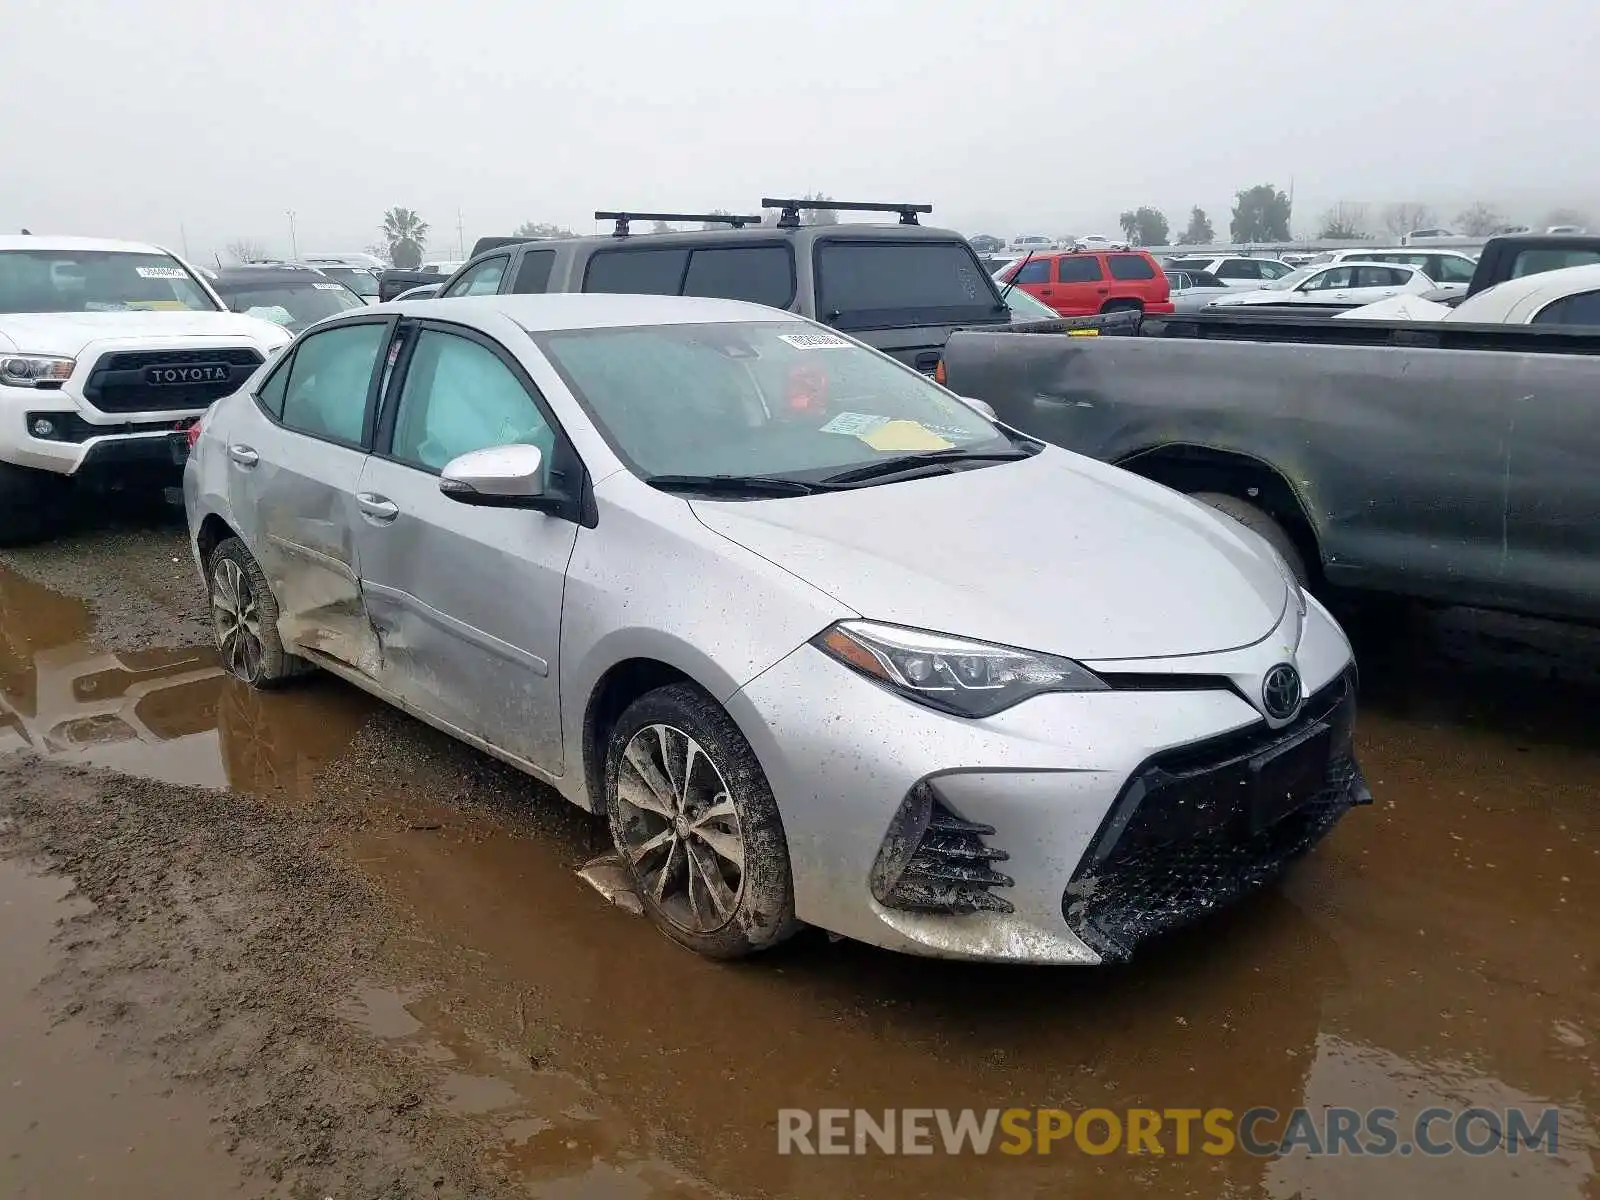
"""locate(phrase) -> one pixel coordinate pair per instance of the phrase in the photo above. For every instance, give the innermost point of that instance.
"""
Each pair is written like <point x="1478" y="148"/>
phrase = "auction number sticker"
<point x="815" y="341"/>
<point x="160" y="272"/>
<point x="328" y="287"/>
<point x="854" y="424"/>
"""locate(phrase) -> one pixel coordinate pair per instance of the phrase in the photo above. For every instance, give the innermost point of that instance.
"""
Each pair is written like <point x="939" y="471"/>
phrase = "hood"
<point x="66" y="334"/>
<point x="1057" y="553"/>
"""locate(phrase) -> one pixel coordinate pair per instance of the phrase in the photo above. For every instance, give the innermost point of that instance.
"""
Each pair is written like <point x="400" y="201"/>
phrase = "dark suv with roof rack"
<point x="901" y="288"/>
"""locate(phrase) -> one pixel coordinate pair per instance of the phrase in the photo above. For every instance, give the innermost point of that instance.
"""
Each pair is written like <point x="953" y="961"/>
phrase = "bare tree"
<point x="243" y="250"/>
<point x="661" y="227"/>
<point x="820" y="216"/>
<point x="1479" y="219"/>
<point x="1346" y="221"/>
<point x="1400" y="219"/>
<point x="1567" y="216"/>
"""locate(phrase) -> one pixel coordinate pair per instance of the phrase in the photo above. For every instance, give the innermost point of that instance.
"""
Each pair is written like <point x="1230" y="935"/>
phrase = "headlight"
<point x="34" y="370"/>
<point x="969" y="679"/>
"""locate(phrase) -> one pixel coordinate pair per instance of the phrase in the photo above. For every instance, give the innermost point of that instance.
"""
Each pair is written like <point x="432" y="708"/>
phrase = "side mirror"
<point x="499" y="477"/>
<point x="981" y="407"/>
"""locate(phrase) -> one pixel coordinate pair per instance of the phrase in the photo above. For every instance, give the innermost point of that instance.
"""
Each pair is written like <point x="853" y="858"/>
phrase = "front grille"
<point x="1185" y="836"/>
<point x="934" y="861"/>
<point x="119" y="380"/>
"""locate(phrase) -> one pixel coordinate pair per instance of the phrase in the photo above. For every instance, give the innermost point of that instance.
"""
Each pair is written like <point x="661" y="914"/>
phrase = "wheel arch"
<point x="1189" y="468"/>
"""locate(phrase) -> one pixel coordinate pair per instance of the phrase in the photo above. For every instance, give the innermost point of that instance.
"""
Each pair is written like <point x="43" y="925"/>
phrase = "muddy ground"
<point x="300" y="945"/>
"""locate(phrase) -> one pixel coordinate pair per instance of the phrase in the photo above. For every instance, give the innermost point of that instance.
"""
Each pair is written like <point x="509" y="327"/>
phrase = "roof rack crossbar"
<point x="623" y="218"/>
<point x="789" y="217"/>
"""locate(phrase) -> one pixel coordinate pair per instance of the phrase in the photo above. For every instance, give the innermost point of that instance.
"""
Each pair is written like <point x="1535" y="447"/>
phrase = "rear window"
<point x="1131" y="266"/>
<point x="1080" y="268"/>
<point x="1536" y="262"/>
<point x="1581" y="309"/>
<point x="759" y="274"/>
<point x="864" y="285"/>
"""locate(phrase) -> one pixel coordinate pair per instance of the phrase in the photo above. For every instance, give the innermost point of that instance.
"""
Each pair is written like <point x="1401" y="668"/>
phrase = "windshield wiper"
<point x="735" y="485"/>
<point x="934" y="462"/>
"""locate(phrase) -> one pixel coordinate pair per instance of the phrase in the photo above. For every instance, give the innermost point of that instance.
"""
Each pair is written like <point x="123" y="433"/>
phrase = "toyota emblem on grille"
<point x="1280" y="692"/>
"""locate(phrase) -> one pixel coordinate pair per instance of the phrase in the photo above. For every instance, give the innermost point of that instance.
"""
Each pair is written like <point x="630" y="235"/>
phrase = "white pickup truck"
<point x="106" y="348"/>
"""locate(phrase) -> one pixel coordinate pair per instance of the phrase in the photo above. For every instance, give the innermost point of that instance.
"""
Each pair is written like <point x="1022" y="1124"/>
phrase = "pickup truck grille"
<point x="168" y="380"/>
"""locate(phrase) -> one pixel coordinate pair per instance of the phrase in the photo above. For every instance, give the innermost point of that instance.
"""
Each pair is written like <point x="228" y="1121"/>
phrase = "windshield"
<point x="294" y="306"/>
<point x="358" y="279"/>
<point x="884" y="284"/>
<point x="56" y="281"/>
<point x="756" y="398"/>
<point x="1025" y="306"/>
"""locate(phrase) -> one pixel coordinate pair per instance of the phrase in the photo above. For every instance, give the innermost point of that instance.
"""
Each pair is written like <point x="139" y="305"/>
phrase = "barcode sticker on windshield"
<point x="328" y="287"/>
<point x="159" y="272"/>
<point x="854" y="424"/>
<point x="814" y="341"/>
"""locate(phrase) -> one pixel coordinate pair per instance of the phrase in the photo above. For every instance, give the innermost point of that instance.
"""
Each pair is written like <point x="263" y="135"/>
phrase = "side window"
<point x="326" y="395"/>
<point x="270" y="397"/>
<point x="1451" y="269"/>
<point x="760" y="274"/>
<point x="1037" y="271"/>
<point x="1273" y="270"/>
<point x="1179" y="281"/>
<point x="637" y="272"/>
<point x="1582" y="309"/>
<point x="1381" y="277"/>
<point x="1131" y="266"/>
<point x="1330" y="280"/>
<point x="1238" y="268"/>
<point x="458" y="397"/>
<point x="1078" y="268"/>
<point x="481" y="280"/>
<point x="533" y="276"/>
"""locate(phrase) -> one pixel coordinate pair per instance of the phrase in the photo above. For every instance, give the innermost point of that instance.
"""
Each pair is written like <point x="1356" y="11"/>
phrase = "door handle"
<point x="1044" y="291"/>
<point x="377" y="508"/>
<point x="1103" y="291"/>
<point x="243" y="456"/>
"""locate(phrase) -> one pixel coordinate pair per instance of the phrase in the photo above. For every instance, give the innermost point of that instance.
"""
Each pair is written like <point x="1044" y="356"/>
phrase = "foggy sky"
<point x="211" y="118"/>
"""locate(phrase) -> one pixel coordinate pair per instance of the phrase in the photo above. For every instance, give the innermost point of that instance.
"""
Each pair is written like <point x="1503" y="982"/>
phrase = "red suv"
<point x="1079" y="283"/>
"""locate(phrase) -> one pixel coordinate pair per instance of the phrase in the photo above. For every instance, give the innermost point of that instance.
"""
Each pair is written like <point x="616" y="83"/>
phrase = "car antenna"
<point x="1012" y="282"/>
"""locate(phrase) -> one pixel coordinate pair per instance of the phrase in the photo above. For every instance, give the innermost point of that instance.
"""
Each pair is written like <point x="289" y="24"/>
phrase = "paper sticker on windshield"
<point x="904" y="436"/>
<point x="815" y="341"/>
<point x="855" y="423"/>
<point x="160" y="272"/>
<point x="328" y="287"/>
<point x="157" y="306"/>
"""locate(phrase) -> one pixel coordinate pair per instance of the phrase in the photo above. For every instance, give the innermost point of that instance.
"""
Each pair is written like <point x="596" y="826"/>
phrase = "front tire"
<point x="244" y="613"/>
<point x="696" y="825"/>
<point x="1258" y="522"/>
<point x="30" y="504"/>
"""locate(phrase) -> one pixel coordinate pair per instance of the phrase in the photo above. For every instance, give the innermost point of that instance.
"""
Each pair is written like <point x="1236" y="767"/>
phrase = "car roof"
<point x="30" y="241"/>
<point x="585" y="310"/>
<point x="1548" y="285"/>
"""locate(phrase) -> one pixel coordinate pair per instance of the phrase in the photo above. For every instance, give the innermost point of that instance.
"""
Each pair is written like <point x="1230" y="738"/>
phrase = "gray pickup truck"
<point x="1451" y="463"/>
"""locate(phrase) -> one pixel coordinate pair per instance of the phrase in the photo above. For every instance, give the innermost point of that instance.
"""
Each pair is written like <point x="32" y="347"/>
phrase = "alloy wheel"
<point x="680" y="829"/>
<point x="237" y="616"/>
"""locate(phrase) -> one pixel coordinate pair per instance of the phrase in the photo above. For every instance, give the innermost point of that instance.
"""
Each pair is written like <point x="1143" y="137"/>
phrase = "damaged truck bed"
<point x="1464" y="471"/>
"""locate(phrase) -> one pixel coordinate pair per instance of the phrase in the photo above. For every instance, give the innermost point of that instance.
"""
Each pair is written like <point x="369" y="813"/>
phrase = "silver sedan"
<point x="821" y="641"/>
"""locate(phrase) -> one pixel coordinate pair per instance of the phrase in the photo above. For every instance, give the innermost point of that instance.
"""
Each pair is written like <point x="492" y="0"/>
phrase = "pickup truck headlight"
<point x="951" y="674"/>
<point x="34" y="370"/>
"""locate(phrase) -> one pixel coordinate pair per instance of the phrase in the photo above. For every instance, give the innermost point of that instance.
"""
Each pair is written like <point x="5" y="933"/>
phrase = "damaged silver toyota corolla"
<point x="823" y="642"/>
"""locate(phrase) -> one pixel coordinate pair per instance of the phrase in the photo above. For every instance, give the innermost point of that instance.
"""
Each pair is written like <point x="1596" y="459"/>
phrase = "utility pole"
<point x="461" y="236"/>
<point x="183" y="236"/>
<point x="294" y="245"/>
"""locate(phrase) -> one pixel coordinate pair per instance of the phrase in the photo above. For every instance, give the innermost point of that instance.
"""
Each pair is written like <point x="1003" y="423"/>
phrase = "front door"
<point x="294" y="459"/>
<point x="466" y="601"/>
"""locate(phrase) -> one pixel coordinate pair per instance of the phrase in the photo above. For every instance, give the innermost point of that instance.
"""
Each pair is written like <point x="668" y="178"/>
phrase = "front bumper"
<point x="86" y="441"/>
<point x="1088" y="872"/>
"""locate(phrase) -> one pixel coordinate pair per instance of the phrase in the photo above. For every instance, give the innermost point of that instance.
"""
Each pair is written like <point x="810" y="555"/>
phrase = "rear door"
<point x="1080" y="285"/>
<point x="294" y="460"/>
<point x="1135" y="277"/>
<point x="465" y="600"/>
<point x="1378" y="283"/>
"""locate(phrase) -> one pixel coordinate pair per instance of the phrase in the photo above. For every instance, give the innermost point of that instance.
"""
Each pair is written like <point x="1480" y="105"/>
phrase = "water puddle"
<point x="75" y="1122"/>
<point x="168" y="714"/>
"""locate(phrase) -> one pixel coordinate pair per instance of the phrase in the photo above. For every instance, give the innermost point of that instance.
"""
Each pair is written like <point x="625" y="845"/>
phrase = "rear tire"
<point x="696" y="825"/>
<point x="1113" y="306"/>
<point x="244" y="613"/>
<point x="1255" y="520"/>
<point x="30" y="504"/>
